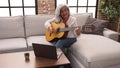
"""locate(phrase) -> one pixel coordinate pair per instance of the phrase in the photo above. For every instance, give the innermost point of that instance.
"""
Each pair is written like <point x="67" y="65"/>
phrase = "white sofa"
<point x="94" y="51"/>
<point x="18" y="32"/>
<point x="90" y="51"/>
<point x="12" y="36"/>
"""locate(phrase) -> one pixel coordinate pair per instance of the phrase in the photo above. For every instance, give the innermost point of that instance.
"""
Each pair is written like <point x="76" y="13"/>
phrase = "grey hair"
<point x="57" y="12"/>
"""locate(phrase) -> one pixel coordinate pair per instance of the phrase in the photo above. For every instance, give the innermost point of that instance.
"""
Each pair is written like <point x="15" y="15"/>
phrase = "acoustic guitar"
<point x="60" y="30"/>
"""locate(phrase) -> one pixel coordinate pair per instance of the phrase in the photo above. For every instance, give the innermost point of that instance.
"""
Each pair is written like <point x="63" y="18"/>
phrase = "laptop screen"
<point x="44" y="50"/>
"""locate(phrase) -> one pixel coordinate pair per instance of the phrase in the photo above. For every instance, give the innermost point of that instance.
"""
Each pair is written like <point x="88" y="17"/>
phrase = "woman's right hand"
<point x="52" y="30"/>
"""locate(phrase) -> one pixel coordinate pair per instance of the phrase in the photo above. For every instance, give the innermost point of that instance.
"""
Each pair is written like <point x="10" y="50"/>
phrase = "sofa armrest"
<point x="111" y="34"/>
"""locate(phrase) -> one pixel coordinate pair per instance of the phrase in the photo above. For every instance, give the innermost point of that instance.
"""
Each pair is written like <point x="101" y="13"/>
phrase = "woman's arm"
<point x="48" y="23"/>
<point x="77" y="30"/>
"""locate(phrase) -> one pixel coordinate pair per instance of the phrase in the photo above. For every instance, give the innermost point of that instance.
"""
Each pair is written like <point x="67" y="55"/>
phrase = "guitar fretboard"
<point x="87" y="28"/>
<point x="66" y="29"/>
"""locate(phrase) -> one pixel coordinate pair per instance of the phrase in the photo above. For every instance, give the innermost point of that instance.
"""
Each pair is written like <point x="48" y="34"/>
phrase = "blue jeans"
<point x="65" y="43"/>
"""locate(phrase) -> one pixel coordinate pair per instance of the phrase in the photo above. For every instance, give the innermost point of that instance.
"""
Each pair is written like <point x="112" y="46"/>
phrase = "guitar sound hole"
<point x="58" y="30"/>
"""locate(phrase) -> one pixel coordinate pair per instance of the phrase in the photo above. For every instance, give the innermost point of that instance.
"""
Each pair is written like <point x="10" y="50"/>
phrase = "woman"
<point x="62" y="14"/>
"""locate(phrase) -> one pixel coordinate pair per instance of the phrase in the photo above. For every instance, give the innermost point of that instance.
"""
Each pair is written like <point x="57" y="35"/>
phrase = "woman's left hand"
<point x="77" y="31"/>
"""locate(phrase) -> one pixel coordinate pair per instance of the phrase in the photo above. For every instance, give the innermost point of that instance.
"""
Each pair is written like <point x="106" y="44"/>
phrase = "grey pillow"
<point x="88" y="28"/>
<point x="99" y="27"/>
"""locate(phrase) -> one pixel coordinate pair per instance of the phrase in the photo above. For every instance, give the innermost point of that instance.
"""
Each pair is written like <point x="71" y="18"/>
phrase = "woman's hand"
<point x="77" y="30"/>
<point x="51" y="30"/>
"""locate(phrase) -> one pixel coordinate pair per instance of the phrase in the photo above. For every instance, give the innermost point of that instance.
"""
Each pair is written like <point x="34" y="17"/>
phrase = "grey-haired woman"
<point x="62" y="14"/>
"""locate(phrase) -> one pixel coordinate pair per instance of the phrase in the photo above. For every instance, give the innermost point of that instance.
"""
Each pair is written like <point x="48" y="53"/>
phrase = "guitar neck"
<point x="66" y="29"/>
<point x="86" y="27"/>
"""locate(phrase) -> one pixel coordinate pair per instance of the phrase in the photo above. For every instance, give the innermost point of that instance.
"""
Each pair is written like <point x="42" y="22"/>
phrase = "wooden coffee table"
<point x="17" y="60"/>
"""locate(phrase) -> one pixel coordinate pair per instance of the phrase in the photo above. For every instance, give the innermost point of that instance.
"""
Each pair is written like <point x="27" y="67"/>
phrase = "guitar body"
<point x="50" y="36"/>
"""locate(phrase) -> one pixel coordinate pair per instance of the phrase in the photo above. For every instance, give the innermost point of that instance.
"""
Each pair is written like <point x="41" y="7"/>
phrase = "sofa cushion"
<point x="99" y="27"/>
<point x="37" y="39"/>
<point x="89" y="51"/>
<point x="12" y="45"/>
<point x="34" y="24"/>
<point x="82" y="18"/>
<point x="11" y="27"/>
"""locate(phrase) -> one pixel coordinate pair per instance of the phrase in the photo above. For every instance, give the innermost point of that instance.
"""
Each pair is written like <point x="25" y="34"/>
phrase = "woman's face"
<point x="64" y="12"/>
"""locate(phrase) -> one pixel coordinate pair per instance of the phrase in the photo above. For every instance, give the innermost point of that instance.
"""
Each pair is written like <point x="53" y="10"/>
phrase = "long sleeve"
<point x="72" y="22"/>
<point x="75" y="25"/>
<point x="47" y="23"/>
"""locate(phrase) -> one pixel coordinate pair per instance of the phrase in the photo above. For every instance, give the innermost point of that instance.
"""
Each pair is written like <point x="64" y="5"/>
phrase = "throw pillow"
<point x="89" y="28"/>
<point x="99" y="27"/>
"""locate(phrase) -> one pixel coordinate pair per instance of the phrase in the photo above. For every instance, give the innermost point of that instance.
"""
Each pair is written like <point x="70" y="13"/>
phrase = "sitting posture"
<point x="62" y="19"/>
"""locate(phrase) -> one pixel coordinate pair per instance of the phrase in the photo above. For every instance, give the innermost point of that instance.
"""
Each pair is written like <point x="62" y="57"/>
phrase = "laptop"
<point x="47" y="51"/>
